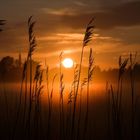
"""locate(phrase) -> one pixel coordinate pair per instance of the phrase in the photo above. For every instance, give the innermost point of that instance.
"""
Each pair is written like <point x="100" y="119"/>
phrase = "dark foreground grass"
<point x="31" y="112"/>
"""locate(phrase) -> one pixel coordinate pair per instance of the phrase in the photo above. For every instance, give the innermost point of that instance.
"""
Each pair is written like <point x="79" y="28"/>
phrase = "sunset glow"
<point x="67" y="63"/>
<point x="69" y="69"/>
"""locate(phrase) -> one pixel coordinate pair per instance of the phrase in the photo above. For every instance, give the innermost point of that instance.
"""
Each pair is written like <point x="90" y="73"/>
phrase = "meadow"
<point x="41" y="107"/>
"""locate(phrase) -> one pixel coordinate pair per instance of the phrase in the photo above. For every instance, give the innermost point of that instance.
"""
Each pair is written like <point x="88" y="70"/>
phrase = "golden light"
<point x="67" y="63"/>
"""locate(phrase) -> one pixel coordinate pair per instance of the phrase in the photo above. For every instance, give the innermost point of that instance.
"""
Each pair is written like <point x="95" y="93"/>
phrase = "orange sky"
<point x="60" y="27"/>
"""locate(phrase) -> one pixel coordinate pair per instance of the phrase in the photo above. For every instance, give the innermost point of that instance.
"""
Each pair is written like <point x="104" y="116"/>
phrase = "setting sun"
<point x="67" y="63"/>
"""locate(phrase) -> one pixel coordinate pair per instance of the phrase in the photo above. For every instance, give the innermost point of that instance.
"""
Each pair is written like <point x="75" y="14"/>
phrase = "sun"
<point x="67" y="63"/>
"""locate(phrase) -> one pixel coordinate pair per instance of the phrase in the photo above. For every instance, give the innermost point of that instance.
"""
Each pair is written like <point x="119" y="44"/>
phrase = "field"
<point x="43" y="105"/>
<point x="100" y="119"/>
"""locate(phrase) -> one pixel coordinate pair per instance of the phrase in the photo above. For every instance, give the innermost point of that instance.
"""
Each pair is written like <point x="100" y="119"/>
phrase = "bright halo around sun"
<point x="67" y="63"/>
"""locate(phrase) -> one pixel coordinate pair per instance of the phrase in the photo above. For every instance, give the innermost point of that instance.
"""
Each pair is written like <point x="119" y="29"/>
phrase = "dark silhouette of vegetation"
<point x="62" y="86"/>
<point x="132" y="79"/>
<point x="117" y="101"/>
<point x="13" y="71"/>
<point x="79" y="113"/>
<point x="86" y="40"/>
<point x="88" y="80"/>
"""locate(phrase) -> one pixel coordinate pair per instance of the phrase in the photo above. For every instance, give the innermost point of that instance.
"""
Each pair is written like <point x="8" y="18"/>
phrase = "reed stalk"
<point x="117" y="101"/>
<point x="70" y="101"/>
<point x="61" y="87"/>
<point x="108" y="93"/>
<point x="132" y="81"/>
<point x="86" y="40"/>
<point x="50" y="108"/>
<point x="89" y="78"/>
<point x="80" y="108"/>
<point x="20" y="100"/>
<point x="32" y="46"/>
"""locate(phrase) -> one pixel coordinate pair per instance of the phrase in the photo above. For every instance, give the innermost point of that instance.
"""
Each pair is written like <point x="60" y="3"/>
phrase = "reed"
<point x="61" y="101"/>
<point x="117" y="101"/>
<point x="25" y="93"/>
<point x="32" y="46"/>
<point x="6" y="103"/>
<point x="80" y="107"/>
<point x="69" y="110"/>
<point x="122" y="69"/>
<point x="20" y="101"/>
<point x="70" y="101"/>
<point x="89" y="78"/>
<point x="132" y="81"/>
<point x="108" y="94"/>
<point x="36" y="99"/>
<point x="86" y="40"/>
<point x="50" y="108"/>
<point x="71" y="129"/>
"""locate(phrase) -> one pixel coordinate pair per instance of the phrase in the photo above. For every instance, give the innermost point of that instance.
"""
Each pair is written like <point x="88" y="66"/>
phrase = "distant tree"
<point x="11" y="69"/>
<point x="6" y="64"/>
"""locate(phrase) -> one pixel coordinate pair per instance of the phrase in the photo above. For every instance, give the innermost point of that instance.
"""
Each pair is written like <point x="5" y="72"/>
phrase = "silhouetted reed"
<point x="2" y="23"/>
<point x="32" y="46"/>
<point x="73" y="124"/>
<point x="70" y="101"/>
<point x="36" y="99"/>
<point x="108" y="94"/>
<point x="61" y="88"/>
<point x="84" y="83"/>
<point x="133" y="98"/>
<point x="117" y="100"/>
<point x="86" y="40"/>
<point x="20" y="100"/>
<point x="25" y="92"/>
<point x="89" y="78"/>
<point x="7" y="122"/>
<point x="50" y="107"/>
<point x="69" y="111"/>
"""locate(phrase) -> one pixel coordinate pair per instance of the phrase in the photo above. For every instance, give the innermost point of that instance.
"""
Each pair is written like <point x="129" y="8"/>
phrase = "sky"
<point x="60" y="26"/>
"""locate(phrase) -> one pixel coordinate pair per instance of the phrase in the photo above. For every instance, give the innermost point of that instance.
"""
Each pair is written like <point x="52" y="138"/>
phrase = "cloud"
<point x="80" y="3"/>
<point x="126" y="14"/>
<point x="61" y="26"/>
<point x="59" y="12"/>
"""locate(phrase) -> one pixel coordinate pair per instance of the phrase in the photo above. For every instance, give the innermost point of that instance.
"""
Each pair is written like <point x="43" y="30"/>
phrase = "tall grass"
<point x="80" y="107"/>
<point x="68" y="117"/>
<point x="108" y="97"/>
<point x="50" y="107"/>
<point x="25" y="93"/>
<point x="20" y="100"/>
<point x="32" y="109"/>
<point x="28" y="61"/>
<point x="6" y="102"/>
<point x="2" y="23"/>
<point x="89" y="78"/>
<point x="117" y="100"/>
<point x="36" y="97"/>
<point x="32" y="46"/>
<point x="70" y="101"/>
<point x="86" y="40"/>
<point x="132" y="81"/>
<point x="49" y="102"/>
<point x="61" y="87"/>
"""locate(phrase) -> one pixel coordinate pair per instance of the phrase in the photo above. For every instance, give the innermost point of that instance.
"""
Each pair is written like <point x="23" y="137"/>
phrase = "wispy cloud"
<point x="60" y="12"/>
<point x="61" y="25"/>
<point x="80" y="3"/>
